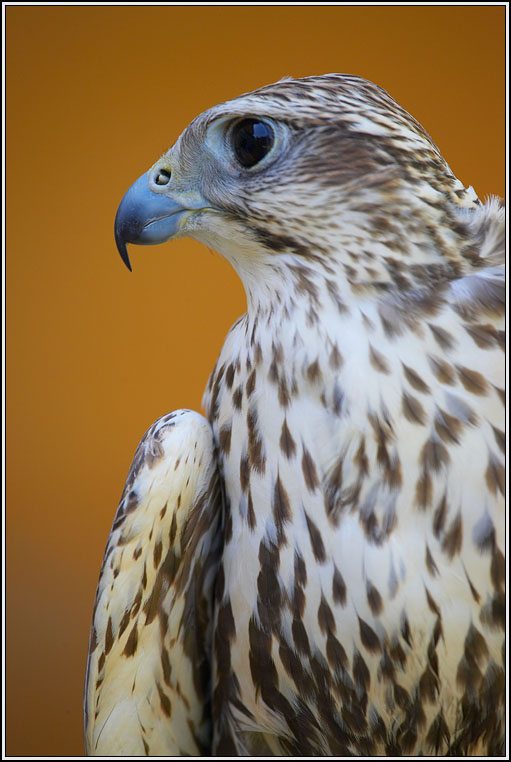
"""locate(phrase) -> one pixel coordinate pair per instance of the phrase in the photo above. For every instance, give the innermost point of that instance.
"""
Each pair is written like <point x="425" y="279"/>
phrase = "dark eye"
<point x="251" y="141"/>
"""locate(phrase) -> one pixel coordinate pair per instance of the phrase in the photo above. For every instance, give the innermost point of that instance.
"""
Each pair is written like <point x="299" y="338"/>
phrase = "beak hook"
<point x="123" y="251"/>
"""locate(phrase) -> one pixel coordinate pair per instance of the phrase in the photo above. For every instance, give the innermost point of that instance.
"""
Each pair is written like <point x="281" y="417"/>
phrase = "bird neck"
<point x="360" y="247"/>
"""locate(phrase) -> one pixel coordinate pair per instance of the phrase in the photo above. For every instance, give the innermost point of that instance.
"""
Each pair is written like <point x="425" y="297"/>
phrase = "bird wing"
<point x="147" y="683"/>
<point x="482" y="291"/>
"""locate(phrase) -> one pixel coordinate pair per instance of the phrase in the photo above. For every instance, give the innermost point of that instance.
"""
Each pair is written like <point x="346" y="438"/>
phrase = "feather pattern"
<point x="148" y="680"/>
<point x="357" y="411"/>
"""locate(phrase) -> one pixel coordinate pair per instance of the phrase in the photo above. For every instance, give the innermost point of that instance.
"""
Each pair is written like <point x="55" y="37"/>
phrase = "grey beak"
<point x="145" y="217"/>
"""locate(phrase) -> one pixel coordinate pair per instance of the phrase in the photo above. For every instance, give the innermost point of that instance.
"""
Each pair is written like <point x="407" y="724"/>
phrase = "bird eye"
<point x="251" y="141"/>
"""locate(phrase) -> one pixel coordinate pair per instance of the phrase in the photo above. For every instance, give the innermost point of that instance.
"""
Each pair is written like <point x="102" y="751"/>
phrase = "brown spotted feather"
<point x="357" y="409"/>
<point x="148" y="675"/>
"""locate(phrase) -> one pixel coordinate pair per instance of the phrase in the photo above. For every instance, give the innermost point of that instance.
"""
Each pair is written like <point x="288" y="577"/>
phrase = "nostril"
<point x="162" y="177"/>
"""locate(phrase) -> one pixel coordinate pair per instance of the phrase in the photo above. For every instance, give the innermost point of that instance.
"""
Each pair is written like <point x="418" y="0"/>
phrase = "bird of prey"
<point x="317" y="567"/>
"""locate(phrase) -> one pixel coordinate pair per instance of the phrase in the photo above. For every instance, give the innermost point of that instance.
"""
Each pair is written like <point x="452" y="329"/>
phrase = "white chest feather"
<point x="363" y="556"/>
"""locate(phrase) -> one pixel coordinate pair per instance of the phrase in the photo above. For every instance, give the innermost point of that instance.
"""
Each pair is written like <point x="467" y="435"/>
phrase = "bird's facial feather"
<point x="333" y="160"/>
<point x="335" y="136"/>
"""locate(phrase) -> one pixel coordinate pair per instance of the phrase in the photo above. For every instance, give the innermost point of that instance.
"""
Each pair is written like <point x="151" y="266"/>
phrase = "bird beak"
<point x="145" y="217"/>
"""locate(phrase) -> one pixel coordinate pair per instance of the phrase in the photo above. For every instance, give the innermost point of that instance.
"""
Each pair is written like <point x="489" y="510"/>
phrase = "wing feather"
<point x="147" y="685"/>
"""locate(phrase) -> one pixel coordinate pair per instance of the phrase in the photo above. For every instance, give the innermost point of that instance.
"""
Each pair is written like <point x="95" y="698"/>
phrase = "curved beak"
<point x="145" y="217"/>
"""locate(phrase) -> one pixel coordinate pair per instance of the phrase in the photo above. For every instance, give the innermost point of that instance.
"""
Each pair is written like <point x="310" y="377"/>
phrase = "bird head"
<point x="303" y="170"/>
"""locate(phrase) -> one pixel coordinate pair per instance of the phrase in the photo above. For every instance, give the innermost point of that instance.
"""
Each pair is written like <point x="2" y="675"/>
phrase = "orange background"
<point x="95" y="354"/>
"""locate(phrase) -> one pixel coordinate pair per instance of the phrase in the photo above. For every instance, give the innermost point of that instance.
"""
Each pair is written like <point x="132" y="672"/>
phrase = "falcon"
<point x="317" y="567"/>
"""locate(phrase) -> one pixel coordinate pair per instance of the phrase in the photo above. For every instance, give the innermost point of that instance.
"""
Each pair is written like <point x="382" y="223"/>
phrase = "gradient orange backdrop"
<point x="95" y="354"/>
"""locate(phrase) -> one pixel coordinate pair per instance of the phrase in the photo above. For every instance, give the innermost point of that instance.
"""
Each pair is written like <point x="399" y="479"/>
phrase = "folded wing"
<point x="148" y="673"/>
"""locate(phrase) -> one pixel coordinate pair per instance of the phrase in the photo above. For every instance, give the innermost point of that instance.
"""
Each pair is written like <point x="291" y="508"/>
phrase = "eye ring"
<point x="251" y="140"/>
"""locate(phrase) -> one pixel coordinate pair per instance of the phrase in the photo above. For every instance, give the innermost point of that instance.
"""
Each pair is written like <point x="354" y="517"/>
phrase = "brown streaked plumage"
<point x="151" y="632"/>
<point x="346" y="596"/>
